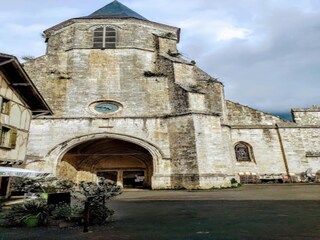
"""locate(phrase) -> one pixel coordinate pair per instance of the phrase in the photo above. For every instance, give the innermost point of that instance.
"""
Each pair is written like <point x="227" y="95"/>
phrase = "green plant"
<point x="28" y="58"/>
<point x="212" y="80"/>
<point x="103" y="189"/>
<point x="100" y="213"/>
<point x="33" y="210"/>
<point x="96" y="194"/>
<point x="67" y="212"/>
<point x="167" y="35"/>
<point x="153" y="74"/>
<point x="41" y="185"/>
<point x="9" y="218"/>
<point x="193" y="62"/>
<point x="37" y="208"/>
<point x="233" y="181"/>
<point x="173" y="54"/>
<point x="195" y="88"/>
<point x="25" y="185"/>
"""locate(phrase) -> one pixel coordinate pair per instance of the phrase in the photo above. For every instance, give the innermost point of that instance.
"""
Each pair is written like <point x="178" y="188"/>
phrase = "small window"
<point x="8" y="137"/>
<point x="243" y="152"/>
<point x="104" y="37"/>
<point x="5" y="106"/>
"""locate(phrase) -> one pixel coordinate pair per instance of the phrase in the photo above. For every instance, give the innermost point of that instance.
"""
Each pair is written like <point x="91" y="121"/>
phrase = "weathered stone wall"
<point x="131" y="33"/>
<point x="72" y="75"/>
<point x="267" y="155"/>
<point x="72" y="78"/>
<point x="68" y="169"/>
<point x="184" y="74"/>
<point x="238" y="114"/>
<point x="213" y="151"/>
<point x="301" y="146"/>
<point x="306" y="116"/>
<point x="96" y="75"/>
<point x="184" y="162"/>
<point x="300" y="139"/>
<point x="184" y="149"/>
<point x="167" y="45"/>
<point x="179" y="113"/>
<point x="62" y="130"/>
<point x="196" y="102"/>
<point x="214" y="98"/>
<point x="178" y="97"/>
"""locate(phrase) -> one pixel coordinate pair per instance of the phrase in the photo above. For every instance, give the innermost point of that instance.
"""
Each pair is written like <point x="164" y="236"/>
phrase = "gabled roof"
<point x="116" y="9"/>
<point x="20" y="82"/>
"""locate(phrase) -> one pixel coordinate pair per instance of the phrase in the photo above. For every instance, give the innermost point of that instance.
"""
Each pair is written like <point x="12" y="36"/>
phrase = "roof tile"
<point x="117" y="10"/>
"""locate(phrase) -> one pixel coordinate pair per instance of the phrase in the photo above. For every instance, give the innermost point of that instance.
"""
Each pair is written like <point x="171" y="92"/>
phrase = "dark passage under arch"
<point x="125" y="163"/>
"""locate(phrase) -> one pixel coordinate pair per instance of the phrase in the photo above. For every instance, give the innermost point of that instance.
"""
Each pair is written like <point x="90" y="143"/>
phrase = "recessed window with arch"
<point x="104" y="37"/>
<point x="244" y="152"/>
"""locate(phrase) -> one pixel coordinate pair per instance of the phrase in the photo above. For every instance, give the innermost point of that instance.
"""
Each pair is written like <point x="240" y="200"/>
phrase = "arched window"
<point x="104" y="37"/>
<point x="243" y="152"/>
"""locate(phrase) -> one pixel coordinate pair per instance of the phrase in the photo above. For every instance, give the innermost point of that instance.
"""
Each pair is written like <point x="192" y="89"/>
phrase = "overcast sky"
<point x="266" y="52"/>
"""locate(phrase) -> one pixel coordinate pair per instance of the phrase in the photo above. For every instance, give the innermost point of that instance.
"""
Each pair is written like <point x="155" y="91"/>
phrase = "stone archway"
<point x="125" y="163"/>
<point x="86" y="157"/>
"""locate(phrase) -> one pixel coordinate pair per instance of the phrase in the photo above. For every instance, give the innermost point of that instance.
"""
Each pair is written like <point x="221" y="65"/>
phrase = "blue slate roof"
<point x="116" y="9"/>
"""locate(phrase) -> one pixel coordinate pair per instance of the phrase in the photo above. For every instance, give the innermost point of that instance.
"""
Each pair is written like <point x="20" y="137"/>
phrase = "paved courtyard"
<point x="246" y="192"/>
<point x="250" y="212"/>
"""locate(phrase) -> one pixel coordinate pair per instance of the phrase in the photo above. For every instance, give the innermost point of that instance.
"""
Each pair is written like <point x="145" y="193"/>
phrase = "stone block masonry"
<point x="155" y="100"/>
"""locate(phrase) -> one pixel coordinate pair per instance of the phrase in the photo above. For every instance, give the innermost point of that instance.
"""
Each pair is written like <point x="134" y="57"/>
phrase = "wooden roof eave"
<point x="24" y="88"/>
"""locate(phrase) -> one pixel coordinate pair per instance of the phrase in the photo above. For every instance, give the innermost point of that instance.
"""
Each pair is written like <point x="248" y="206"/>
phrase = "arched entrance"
<point x="123" y="162"/>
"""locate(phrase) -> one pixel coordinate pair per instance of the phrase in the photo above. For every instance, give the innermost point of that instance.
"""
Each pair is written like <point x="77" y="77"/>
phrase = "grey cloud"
<point x="275" y="68"/>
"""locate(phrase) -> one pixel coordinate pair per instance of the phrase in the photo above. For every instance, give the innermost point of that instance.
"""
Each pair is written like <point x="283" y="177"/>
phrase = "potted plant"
<point x="33" y="212"/>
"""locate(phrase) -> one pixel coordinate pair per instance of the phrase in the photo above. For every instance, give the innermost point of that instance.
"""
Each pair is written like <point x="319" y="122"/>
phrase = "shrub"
<point x="94" y="194"/>
<point x="67" y="212"/>
<point x="20" y="213"/>
<point x="233" y="181"/>
<point x="100" y="214"/>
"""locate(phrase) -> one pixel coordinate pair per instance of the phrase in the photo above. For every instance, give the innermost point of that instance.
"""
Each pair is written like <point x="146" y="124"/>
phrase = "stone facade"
<point x="276" y="142"/>
<point x="165" y="105"/>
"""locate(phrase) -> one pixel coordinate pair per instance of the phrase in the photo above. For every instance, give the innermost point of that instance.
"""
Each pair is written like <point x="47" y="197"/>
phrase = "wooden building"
<point x="20" y="101"/>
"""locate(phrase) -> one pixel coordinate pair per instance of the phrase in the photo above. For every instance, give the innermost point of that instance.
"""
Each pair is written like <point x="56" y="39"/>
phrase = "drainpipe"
<point x="283" y="152"/>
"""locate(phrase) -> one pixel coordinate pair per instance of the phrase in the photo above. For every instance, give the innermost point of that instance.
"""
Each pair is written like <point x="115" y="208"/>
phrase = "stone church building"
<point x="129" y="108"/>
